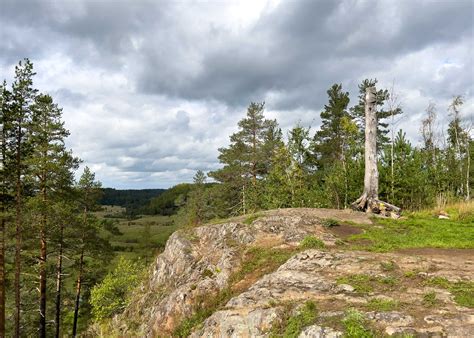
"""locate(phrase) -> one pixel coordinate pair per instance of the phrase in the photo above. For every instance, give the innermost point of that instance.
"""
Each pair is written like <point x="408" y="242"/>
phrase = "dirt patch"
<point x="464" y="254"/>
<point x="344" y="231"/>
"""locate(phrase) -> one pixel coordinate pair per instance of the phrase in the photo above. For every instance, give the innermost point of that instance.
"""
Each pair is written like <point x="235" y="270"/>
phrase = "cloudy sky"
<point x="151" y="89"/>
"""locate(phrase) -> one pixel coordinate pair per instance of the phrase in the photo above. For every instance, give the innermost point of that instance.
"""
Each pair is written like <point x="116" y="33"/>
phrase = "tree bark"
<point x="42" y="272"/>
<point x="369" y="201"/>
<point x="78" y="294"/>
<point x="79" y="277"/>
<point x="59" y="271"/>
<point x="18" y="221"/>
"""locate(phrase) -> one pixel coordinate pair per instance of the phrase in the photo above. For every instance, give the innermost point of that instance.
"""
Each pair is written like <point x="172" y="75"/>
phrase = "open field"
<point x="139" y="238"/>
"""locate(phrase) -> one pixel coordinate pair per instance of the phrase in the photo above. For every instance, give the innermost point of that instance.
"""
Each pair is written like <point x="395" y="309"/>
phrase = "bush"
<point x="111" y="295"/>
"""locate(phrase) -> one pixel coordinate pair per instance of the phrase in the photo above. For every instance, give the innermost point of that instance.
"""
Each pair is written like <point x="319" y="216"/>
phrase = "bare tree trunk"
<point x="59" y="271"/>
<point x="2" y="236"/>
<point x="369" y="201"/>
<point x="18" y="221"/>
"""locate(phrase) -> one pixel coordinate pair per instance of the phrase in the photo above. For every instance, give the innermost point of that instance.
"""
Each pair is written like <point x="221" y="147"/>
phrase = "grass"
<point x="429" y="299"/>
<point x="251" y="218"/>
<point x="463" y="291"/>
<point x="292" y="324"/>
<point x="420" y="230"/>
<point x="365" y="284"/>
<point x="140" y="238"/>
<point x="381" y="304"/>
<point x="263" y="260"/>
<point x="257" y="261"/>
<point x="355" y="325"/>
<point x="311" y="242"/>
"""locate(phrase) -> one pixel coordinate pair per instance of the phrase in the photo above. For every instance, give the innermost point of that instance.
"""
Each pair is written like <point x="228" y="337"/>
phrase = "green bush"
<point x="111" y="295"/>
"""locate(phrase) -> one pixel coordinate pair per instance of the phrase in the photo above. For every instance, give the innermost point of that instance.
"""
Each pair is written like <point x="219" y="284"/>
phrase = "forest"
<point x="55" y="276"/>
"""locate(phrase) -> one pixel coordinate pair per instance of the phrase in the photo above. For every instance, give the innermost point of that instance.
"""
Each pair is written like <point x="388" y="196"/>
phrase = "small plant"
<point x="207" y="273"/>
<point x="329" y="223"/>
<point x="463" y="293"/>
<point x="355" y="325"/>
<point x="250" y="219"/>
<point x="306" y="316"/>
<point x="429" y="299"/>
<point x="388" y="266"/>
<point x="311" y="242"/>
<point x="380" y="304"/>
<point x="360" y="283"/>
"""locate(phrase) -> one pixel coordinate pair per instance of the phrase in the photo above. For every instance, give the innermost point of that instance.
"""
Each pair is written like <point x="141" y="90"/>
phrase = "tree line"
<point x="51" y="251"/>
<point x="261" y="169"/>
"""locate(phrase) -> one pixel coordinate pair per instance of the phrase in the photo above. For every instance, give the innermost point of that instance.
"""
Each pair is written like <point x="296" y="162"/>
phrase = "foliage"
<point x="307" y="315"/>
<point x="311" y="242"/>
<point x="380" y="304"/>
<point x="110" y="296"/>
<point x="355" y="325"/>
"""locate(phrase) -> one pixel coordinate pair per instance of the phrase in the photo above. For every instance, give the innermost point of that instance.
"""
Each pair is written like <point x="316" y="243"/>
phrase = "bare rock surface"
<point x="198" y="263"/>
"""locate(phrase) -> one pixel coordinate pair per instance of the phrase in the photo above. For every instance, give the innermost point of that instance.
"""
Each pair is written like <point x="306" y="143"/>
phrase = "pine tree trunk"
<point x="42" y="272"/>
<point x="59" y="268"/>
<point x="18" y="221"/>
<point x="369" y="201"/>
<point x="78" y="294"/>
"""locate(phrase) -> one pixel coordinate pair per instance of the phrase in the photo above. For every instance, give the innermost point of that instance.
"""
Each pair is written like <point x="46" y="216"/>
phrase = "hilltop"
<point x="301" y="272"/>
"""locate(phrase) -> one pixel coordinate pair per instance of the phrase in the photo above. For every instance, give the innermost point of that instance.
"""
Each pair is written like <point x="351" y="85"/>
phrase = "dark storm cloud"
<point x="303" y="47"/>
<point x="151" y="89"/>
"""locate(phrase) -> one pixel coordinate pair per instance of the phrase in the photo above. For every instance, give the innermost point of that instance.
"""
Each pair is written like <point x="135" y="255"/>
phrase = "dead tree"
<point x="369" y="201"/>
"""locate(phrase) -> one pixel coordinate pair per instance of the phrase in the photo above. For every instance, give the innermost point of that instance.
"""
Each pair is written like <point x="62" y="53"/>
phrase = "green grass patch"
<point x="356" y="325"/>
<point x="251" y="218"/>
<point x="365" y="284"/>
<point x="265" y="259"/>
<point x="291" y="325"/>
<point x="429" y="299"/>
<point x="329" y="223"/>
<point x="419" y="230"/>
<point x="381" y="304"/>
<point x="463" y="291"/>
<point x="311" y="242"/>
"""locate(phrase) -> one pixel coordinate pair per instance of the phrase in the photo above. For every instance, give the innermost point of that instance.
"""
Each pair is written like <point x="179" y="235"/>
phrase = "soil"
<point x="344" y="231"/>
<point x="464" y="255"/>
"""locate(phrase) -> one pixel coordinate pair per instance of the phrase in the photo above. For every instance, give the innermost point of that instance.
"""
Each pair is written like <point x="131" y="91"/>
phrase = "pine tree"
<point x="18" y="151"/>
<point x="246" y="160"/>
<point x="51" y="168"/>
<point x="4" y="197"/>
<point x="89" y="240"/>
<point x="328" y="142"/>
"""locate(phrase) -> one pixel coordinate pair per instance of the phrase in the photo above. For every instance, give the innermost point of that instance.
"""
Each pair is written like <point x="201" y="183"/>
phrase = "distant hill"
<point x="132" y="199"/>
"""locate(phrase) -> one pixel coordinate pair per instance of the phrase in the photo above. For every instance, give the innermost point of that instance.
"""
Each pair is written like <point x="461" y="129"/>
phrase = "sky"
<point x="151" y="89"/>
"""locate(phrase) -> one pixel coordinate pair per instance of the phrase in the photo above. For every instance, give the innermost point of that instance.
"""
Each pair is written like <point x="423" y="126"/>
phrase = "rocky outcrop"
<point x="389" y="290"/>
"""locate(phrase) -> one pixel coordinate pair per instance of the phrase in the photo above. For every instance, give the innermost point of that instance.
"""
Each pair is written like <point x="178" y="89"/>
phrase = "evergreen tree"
<point x="18" y="150"/>
<point x="328" y="144"/>
<point x="51" y="170"/>
<point x="4" y="198"/>
<point x="89" y="241"/>
<point x="246" y="160"/>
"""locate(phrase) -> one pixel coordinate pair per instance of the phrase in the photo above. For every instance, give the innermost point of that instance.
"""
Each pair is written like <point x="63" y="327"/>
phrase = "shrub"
<point x="111" y="295"/>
